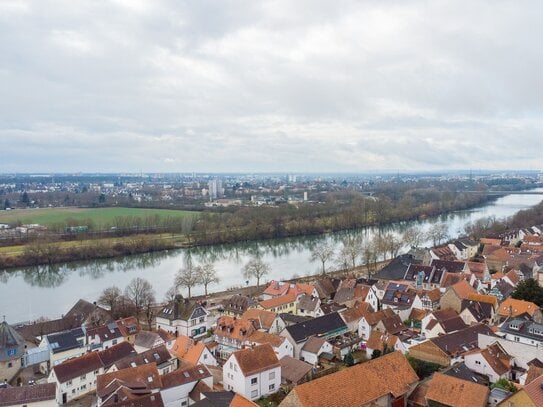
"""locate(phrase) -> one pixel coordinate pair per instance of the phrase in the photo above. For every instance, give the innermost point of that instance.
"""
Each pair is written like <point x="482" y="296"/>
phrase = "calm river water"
<point x="27" y="294"/>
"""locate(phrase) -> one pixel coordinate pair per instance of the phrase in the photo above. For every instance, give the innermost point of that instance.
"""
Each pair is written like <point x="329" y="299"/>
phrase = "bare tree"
<point x="255" y="268"/>
<point x="170" y="294"/>
<point x="413" y="236"/>
<point x="370" y="256"/>
<point x="109" y="297"/>
<point x="438" y="232"/>
<point x="208" y="275"/>
<point x="392" y="244"/>
<point x="188" y="277"/>
<point x="323" y="253"/>
<point x="140" y="292"/>
<point x="350" y="252"/>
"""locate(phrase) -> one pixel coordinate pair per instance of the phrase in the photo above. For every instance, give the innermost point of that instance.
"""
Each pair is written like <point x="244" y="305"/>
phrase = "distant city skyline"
<point x="269" y="87"/>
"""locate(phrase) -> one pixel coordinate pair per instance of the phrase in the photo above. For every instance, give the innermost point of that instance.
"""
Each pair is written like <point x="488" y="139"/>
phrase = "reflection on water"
<point x="51" y="290"/>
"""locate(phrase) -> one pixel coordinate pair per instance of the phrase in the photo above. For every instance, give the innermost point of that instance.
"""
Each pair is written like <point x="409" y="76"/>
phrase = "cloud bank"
<point x="307" y="86"/>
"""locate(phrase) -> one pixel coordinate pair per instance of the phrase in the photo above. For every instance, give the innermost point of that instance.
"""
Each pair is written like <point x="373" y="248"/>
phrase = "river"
<point x="50" y="291"/>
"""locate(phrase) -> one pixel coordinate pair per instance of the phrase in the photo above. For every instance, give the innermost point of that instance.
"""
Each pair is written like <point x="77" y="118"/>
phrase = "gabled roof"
<point x="181" y="346"/>
<point x="65" y="340"/>
<point x="450" y="391"/>
<point x="264" y="337"/>
<point x="513" y="307"/>
<point x="144" y="376"/>
<point x="71" y="368"/>
<point x="449" y="266"/>
<point x="147" y="339"/>
<point x="238" y="304"/>
<point x="463" y="290"/>
<point x="277" y="301"/>
<point x="276" y="288"/>
<point x="182" y="309"/>
<point x="115" y="353"/>
<point x="129" y="326"/>
<point x="157" y="355"/>
<point x="358" y="385"/>
<point x="234" y="328"/>
<point x="395" y="270"/>
<point x="534" y="391"/>
<point x="257" y="359"/>
<point x="186" y="375"/>
<point x="22" y="395"/>
<point x="461" y="341"/>
<point x="479" y="310"/>
<point x="40" y="328"/>
<point x="263" y="319"/>
<point x="327" y="324"/>
<point x="106" y="332"/>
<point x="313" y="344"/>
<point x="294" y="370"/>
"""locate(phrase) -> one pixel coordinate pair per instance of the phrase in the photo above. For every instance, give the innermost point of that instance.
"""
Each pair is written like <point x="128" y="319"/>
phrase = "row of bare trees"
<point x="137" y="299"/>
<point x="355" y="250"/>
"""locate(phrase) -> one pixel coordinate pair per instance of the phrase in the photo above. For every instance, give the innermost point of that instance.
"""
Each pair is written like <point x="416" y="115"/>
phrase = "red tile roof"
<point x="257" y="359"/>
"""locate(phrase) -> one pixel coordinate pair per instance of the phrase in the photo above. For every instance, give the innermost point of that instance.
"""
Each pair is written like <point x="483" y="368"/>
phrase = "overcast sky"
<point x="253" y="86"/>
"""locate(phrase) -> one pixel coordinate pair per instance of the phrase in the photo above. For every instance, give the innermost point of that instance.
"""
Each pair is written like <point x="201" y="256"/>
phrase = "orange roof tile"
<point x="240" y="401"/>
<point x="489" y="299"/>
<point x="265" y="318"/>
<point x="263" y="337"/>
<point x="451" y="391"/>
<point x="277" y="301"/>
<point x="513" y="307"/>
<point x="357" y="385"/>
<point x="181" y="346"/>
<point x="463" y="289"/>
<point x="257" y="359"/>
<point x="234" y="328"/>
<point x="194" y="353"/>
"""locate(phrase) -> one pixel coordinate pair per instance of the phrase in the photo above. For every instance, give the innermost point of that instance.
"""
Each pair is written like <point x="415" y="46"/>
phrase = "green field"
<point x="99" y="216"/>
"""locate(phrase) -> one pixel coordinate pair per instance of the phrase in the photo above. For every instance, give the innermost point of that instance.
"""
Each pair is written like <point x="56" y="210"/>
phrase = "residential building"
<point x="178" y="387"/>
<point x="12" y="348"/>
<point x="385" y="381"/>
<point x="253" y="372"/>
<point x="493" y="361"/>
<point x="104" y="336"/>
<point x="76" y="377"/>
<point x="65" y="345"/>
<point x="294" y="371"/>
<point x="164" y="361"/>
<point x="183" y="317"/>
<point x="327" y="326"/>
<point x="530" y="395"/>
<point x="512" y="308"/>
<point x="263" y="320"/>
<point x="313" y="348"/>
<point x="448" y="391"/>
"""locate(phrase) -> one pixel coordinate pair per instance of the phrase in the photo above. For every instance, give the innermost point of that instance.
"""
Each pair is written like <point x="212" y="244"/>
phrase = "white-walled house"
<point x="493" y="362"/>
<point x="183" y="317"/>
<point x="177" y="385"/>
<point x="313" y="348"/>
<point x="104" y="337"/>
<point x="65" y="345"/>
<point x="76" y="377"/>
<point x="281" y="345"/>
<point x="253" y="372"/>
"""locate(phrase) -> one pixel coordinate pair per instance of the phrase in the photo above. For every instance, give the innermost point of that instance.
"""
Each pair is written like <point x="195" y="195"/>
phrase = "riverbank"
<point x="44" y="252"/>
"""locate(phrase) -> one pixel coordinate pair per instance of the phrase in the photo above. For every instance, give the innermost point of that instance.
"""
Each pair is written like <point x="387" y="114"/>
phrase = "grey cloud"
<point x="131" y="85"/>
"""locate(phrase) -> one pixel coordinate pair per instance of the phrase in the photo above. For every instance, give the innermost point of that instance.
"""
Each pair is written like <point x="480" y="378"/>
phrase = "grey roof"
<point x="147" y="339"/>
<point x="66" y="340"/>
<point x="159" y="355"/>
<point x="461" y="371"/>
<point x="395" y="270"/>
<point x="463" y="340"/>
<point x="12" y="344"/>
<point x="307" y="302"/>
<point x="449" y="265"/>
<point x="294" y="370"/>
<point x="238" y="304"/>
<point x="182" y="309"/>
<point x="479" y="310"/>
<point x="215" y="399"/>
<point x="327" y="325"/>
<point x="521" y="327"/>
<point x="291" y="319"/>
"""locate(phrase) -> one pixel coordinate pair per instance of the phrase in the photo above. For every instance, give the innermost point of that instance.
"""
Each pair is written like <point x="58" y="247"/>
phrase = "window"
<point x="272" y="375"/>
<point x="477" y="362"/>
<point x="83" y="377"/>
<point x="236" y="368"/>
<point x="205" y="356"/>
<point x="231" y="365"/>
<point x="69" y="383"/>
<point x="114" y="341"/>
<point x="73" y="391"/>
<point x="95" y="372"/>
<point x="272" y="386"/>
<point x="83" y="387"/>
<point x="202" y="319"/>
<point x="254" y="394"/>
<point x="10" y="364"/>
<point x="254" y="380"/>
